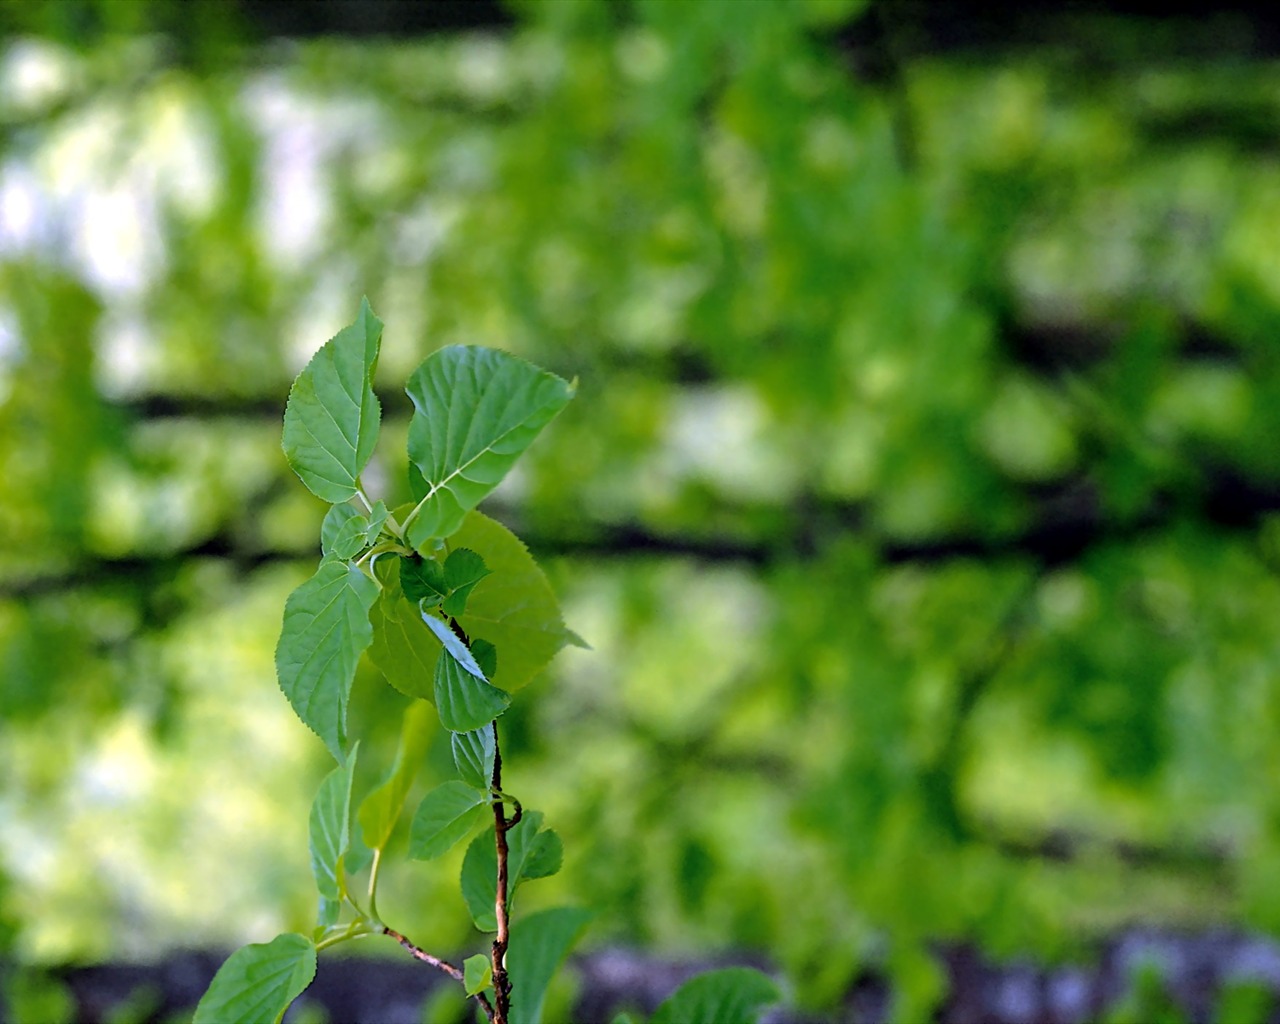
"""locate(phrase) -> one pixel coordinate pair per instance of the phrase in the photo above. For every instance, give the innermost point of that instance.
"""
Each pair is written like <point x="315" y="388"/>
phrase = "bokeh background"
<point x="920" y="502"/>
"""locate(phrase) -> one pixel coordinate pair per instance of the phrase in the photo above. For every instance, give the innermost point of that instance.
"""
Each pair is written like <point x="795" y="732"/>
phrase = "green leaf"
<point x="350" y="539"/>
<point x="332" y="418"/>
<point x="331" y="832"/>
<point x="335" y="520"/>
<point x="530" y="854"/>
<point x="404" y="650"/>
<point x="545" y="856"/>
<point x="380" y="810"/>
<point x="464" y="700"/>
<point x="426" y="580"/>
<point x="513" y="608"/>
<point x="326" y="629"/>
<point x="479" y="881"/>
<point x="734" y="995"/>
<point x="477" y="973"/>
<point x="422" y="579"/>
<point x="258" y="982"/>
<point x="463" y="569"/>
<point x="444" y="817"/>
<point x="539" y="945"/>
<point x="473" y="754"/>
<point x="377" y="516"/>
<point x="475" y="411"/>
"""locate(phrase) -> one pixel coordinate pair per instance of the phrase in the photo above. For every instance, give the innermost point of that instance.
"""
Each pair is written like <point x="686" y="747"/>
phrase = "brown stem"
<point x="418" y="953"/>
<point x="501" y="982"/>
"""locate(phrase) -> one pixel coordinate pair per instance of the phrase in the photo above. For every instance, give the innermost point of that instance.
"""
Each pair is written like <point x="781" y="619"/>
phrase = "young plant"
<point x="454" y="612"/>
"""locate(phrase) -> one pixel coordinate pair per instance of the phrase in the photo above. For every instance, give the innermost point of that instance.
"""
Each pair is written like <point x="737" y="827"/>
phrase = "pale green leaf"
<point x="477" y="973"/>
<point x="539" y="945"/>
<point x="444" y="818"/>
<point x="332" y="418"/>
<point x="380" y="810"/>
<point x="326" y="629"/>
<point x="257" y="983"/>
<point x="475" y="411"/>
<point x="734" y="995"/>
<point x="452" y="643"/>
<point x="514" y="608"/>
<point x="463" y="699"/>
<point x="330" y="828"/>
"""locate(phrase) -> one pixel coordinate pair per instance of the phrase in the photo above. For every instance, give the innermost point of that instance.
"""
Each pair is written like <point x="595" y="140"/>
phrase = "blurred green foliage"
<point x="921" y="502"/>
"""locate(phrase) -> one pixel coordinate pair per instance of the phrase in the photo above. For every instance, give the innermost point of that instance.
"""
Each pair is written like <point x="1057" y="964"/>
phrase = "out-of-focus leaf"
<point x="380" y="810"/>
<point x="734" y="995"/>
<point x="539" y="945"/>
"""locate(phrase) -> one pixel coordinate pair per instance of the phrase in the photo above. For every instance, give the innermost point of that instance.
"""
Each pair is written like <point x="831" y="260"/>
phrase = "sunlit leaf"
<point x="734" y="995"/>
<point x="257" y="983"/>
<point x="477" y="973"/>
<point x="326" y="628"/>
<point x="514" y="607"/>
<point x="475" y="411"/>
<point x="539" y="945"/>
<point x="444" y="818"/>
<point x="332" y="418"/>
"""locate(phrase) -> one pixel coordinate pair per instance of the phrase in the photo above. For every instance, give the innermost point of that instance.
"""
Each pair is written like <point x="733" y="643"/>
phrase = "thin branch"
<point x="418" y="953"/>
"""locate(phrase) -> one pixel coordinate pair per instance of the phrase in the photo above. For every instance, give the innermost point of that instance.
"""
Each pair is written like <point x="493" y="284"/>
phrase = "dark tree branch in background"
<point x="1068" y="522"/>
